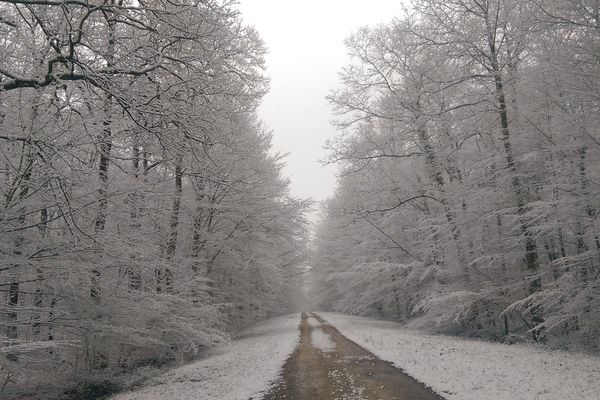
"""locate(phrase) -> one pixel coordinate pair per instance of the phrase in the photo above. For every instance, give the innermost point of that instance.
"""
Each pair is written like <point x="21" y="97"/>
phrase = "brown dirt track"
<point x="346" y="372"/>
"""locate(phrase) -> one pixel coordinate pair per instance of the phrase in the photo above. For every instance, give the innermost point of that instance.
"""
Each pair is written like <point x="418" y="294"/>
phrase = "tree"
<point x="467" y="152"/>
<point x="144" y="217"/>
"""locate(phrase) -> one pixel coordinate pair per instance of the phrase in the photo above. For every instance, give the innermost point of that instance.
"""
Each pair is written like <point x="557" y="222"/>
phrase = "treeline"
<point x="143" y="212"/>
<point x="469" y="171"/>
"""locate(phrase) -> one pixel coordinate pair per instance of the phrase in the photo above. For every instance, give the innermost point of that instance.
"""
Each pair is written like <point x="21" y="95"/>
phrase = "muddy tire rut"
<point x="328" y="366"/>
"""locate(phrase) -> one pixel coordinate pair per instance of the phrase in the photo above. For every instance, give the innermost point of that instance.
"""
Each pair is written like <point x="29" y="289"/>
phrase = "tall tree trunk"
<point x="38" y="296"/>
<point x="531" y="253"/>
<point x="174" y="225"/>
<point x="134" y="275"/>
<point x="199" y="236"/>
<point x="105" y="148"/>
<point x="14" y="285"/>
<point x="21" y="189"/>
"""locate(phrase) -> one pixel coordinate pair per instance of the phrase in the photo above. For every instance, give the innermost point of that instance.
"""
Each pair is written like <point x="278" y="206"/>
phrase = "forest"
<point x="144" y="216"/>
<point x="469" y="156"/>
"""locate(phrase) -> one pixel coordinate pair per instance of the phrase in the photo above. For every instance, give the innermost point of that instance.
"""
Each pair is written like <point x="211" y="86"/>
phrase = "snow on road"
<point x="239" y="370"/>
<point x="318" y="337"/>
<point x="463" y="369"/>
<point x="312" y="321"/>
<point x="321" y="340"/>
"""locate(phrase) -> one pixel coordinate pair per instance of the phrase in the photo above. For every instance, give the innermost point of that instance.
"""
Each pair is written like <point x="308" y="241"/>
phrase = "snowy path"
<point x="240" y="370"/>
<point x="327" y="366"/>
<point x="463" y="369"/>
<point x="352" y="358"/>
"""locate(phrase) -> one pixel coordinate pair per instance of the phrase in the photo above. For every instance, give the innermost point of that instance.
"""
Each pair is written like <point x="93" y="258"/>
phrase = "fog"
<point x="306" y="52"/>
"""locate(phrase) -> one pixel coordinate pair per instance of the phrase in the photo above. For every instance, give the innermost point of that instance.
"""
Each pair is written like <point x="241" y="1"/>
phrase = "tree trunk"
<point x="21" y="188"/>
<point x="531" y="253"/>
<point x="174" y="225"/>
<point x="199" y="236"/>
<point x="38" y="296"/>
<point x="105" y="148"/>
<point x="133" y="273"/>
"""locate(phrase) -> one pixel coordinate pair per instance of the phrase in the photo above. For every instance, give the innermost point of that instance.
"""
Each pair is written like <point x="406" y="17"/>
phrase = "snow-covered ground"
<point x="321" y="340"/>
<point x="239" y="370"/>
<point x="318" y="337"/>
<point x="464" y="369"/>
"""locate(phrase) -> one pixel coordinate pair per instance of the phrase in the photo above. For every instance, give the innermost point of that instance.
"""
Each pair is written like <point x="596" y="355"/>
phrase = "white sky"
<point x="306" y="51"/>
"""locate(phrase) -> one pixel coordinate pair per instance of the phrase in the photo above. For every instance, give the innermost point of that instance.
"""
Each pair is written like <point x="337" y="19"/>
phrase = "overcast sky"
<point x="306" y="51"/>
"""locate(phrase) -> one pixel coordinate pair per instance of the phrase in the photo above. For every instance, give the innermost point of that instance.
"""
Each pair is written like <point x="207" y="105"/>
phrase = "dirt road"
<point x="327" y="366"/>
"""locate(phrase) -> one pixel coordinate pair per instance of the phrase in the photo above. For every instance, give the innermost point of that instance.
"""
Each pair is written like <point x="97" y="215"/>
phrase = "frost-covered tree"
<point x="467" y="163"/>
<point x="144" y="216"/>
